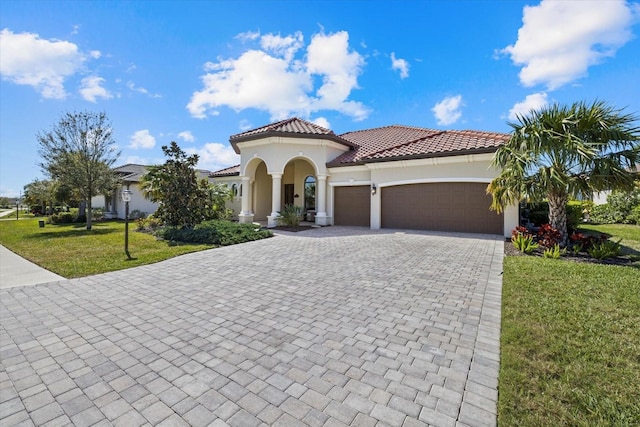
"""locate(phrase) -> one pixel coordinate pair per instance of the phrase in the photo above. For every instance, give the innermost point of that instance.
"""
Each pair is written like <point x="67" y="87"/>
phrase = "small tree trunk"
<point x="89" y="212"/>
<point x="558" y="215"/>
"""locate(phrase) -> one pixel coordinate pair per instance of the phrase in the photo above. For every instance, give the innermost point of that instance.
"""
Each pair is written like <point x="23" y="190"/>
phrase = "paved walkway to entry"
<point x="327" y="327"/>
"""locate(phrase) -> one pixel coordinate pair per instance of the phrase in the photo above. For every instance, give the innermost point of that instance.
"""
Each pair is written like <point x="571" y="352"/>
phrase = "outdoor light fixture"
<point x="126" y="198"/>
<point x="373" y="189"/>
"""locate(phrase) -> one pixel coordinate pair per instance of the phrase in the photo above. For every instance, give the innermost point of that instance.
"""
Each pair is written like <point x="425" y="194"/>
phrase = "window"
<point x="234" y="189"/>
<point x="310" y="193"/>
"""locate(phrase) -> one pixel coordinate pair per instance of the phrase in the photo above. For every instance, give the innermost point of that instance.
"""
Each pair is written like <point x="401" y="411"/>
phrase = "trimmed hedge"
<point x="215" y="232"/>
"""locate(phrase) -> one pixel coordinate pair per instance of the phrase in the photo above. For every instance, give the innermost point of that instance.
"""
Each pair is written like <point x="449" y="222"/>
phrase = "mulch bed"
<point x="510" y="250"/>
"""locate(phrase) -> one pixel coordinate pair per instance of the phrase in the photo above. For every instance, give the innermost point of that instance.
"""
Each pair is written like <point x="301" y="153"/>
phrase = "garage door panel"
<point x="454" y="206"/>
<point x="352" y="205"/>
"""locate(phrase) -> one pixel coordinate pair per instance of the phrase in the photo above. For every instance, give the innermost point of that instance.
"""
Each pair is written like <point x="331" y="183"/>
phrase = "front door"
<point x="288" y="194"/>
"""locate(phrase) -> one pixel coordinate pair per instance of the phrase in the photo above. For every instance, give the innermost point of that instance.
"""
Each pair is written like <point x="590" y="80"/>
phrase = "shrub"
<point x="137" y="214"/>
<point x="548" y="236"/>
<point x="523" y="241"/>
<point x="214" y="232"/>
<point x="290" y="216"/>
<point x="605" y="249"/>
<point x="149" y="223"/>
<point x="62" y="218"/>
<point x="554" y="253"/>
<point x="634" y="216"/>
<point x="537" y="213"/>
<point x="575" y="214"/>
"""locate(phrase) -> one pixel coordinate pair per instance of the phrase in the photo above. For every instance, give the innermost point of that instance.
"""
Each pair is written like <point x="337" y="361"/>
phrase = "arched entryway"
<point x="266" y="192"/>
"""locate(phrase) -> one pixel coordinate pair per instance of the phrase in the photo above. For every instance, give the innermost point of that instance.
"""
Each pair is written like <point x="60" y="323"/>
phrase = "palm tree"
<point x="559" y="152"/>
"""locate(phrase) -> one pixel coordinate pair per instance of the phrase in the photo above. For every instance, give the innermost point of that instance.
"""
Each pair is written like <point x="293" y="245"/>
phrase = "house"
<point x="130" y="176"/>
<point x="389" y="177"/>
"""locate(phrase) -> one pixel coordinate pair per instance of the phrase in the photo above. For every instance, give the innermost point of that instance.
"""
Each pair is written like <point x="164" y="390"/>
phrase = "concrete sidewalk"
<point x="17" y="271"/>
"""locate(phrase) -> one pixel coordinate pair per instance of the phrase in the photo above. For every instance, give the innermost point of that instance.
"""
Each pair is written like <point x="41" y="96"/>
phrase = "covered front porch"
<point x="267" y="189"/>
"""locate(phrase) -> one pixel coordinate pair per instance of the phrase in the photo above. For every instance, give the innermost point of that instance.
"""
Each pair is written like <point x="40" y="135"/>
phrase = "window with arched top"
<point x="234" y="189"/>
<point x="310" y="193"/>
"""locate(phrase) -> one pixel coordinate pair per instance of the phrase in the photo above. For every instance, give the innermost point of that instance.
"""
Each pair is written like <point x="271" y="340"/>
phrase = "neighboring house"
<point x="397" y="177"/>
<point x="600" y="198"/>
<point x="130" y="176"/>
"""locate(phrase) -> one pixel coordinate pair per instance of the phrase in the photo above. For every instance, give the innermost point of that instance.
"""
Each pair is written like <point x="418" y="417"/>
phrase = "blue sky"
<point x="199" y="71"/>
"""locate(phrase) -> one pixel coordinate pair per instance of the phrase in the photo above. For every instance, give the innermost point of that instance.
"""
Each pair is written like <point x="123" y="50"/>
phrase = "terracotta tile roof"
<point x="386" y="143"/>
<point x="401" y="142"/>
<point x="230" y="171"/>
<point x="294" y="127"/>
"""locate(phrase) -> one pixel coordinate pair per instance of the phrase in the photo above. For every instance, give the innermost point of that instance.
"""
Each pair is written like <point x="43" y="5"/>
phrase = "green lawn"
<point x="571" y="341"/>
<point x="72" y="251"/>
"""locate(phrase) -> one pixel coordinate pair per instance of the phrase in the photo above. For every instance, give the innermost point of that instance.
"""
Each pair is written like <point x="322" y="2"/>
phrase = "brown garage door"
<point x="450" y="206"/>
<point x="352" y="205"/>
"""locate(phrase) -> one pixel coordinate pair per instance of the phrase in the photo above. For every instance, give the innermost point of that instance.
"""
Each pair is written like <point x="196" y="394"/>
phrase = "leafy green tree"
<point x="79" y="152"/>
<point x="5" y="202"/>
<point x="40" y="192"/>
<point x="184" y="200"/>
<point x="562" y="151"/>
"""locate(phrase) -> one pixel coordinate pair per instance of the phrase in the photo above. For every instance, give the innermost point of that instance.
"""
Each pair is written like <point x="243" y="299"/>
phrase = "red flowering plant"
<point x="548" y="236"/>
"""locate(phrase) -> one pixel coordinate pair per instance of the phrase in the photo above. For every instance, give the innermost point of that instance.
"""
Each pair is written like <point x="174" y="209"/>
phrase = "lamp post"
<point x="126" y="198"/>
<point x="18" y="204"/>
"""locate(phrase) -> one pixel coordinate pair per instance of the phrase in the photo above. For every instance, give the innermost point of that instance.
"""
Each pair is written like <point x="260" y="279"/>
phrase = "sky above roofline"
<point x="198" y="72"/>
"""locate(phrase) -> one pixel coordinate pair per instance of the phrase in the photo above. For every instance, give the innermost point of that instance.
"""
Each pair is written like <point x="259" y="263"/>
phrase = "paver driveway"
<point x="326" y="327"/>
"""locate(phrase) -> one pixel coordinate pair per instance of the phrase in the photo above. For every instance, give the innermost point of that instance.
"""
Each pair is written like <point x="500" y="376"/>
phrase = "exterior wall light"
<point x="374" y="189"/>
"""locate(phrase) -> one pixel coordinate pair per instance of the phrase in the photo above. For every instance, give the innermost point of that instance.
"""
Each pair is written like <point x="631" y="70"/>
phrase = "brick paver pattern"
<point x="328" y="327"/>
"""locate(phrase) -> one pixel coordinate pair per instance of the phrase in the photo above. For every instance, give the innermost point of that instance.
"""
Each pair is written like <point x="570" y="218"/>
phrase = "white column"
<point x="246" y="214"/>
<point x="321" y="200"/>
<point x="276" y="194"/>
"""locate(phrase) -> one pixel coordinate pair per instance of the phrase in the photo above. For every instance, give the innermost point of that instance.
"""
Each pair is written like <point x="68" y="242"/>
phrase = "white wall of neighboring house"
<point x="138" y="202"/>
<point x="600" y="198"/>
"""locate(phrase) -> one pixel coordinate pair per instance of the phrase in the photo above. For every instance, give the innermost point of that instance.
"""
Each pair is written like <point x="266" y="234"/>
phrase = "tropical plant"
<point x="554" y="253"/>
<point x="78" y="152"/>
<point x="605" y="249"/>
<point x="523" y="241"/>
<point x="562" y="151"/>
<point x="290" y="216"/>
<point x="548" y="236"/>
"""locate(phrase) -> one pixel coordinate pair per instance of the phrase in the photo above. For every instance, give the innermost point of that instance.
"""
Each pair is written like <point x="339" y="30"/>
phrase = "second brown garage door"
<point x="352" y="205"/>
<point x="450" y="206"/>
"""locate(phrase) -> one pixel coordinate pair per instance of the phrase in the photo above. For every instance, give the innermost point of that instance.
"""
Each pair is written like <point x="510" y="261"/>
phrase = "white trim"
<point x="341" y="169"/>
<point x="291" y="141"/>
<point x="352" y="183"/>
<point x="431" y="161"/>
<point x="433" y="181"/>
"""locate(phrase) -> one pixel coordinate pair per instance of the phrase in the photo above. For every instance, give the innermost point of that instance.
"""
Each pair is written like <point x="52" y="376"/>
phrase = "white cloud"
<point x="142" y="139"/>
<point x="322" y="121"/>
<point x="91" y="89"/>
<point x="400" y="65"/>
<point x="282" y="46"/>
<point x="448" y="111"/>
<point x="245" y="125"/>
<point x="26" y="59"/>
<point x="272" y="78"/>
<point x="248" y="36"/>
<point x="531" y="102"/>
<point x="137" y="160"/>
<point x="142" y="90"/>
<point x="215" y="156"/>
<point x="186" y="136"/>
<point x="560" y="40"/>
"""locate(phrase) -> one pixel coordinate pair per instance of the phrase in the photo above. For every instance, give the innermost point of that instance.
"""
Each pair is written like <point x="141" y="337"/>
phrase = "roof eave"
<point x="271" y="133"/>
